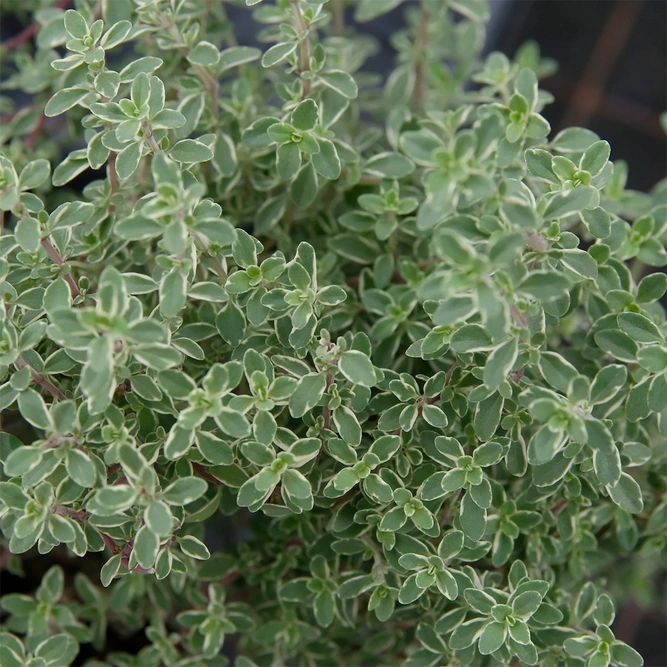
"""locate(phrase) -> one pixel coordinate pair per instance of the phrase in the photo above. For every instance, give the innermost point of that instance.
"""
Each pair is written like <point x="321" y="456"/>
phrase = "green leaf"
<point x="288" y="160"/>
<point x="33" y="409"/>
<point x="347" y="425"/>
<point x="136" y="228"/>
<point x="618" y="344"/>
<point x="470" y="338"/>
<point x="295" y="485"/>
<point x="75" y="24"/>
<point x="595" y="157"/>
<point x="12" y="496"/>
<point x="277" y="53"/>
<point x="110" y="569"/>
<point x="557" y="371"/>
<point x="487" y="416"/>
<point x="357" y="368"/>
<point x="492" y="638"/>
<point x="114" y="498"/>
<point x="34" y="174"/>
<point x="467" y="633"/>
<point x="80" y="468"/>
<point x="539" y="164"/>
<point x="598" y="221"/>
<point x="194" y="548"/>
<point x="473" y="519"/>
<point x="304" y="187"/>
<point x="568" y="202"/>
<point x="64" y="100"/>
<point x="390" y="165"/>
<point x="230" y="323"/>
<point x="651" y="288"/>
<point x="526" y="604"/>
<point x="28" y="234"/>
<point x="184" y="490"/>
<point x="625" y="655"/>
<point x="355" y="248"/>
<point x="367" y="10"/>
<point x="581" y="263"/>
<point x="159" y="518"/>
<point x="627" y="494"/>
<point x="307" y="394"/>
<point x="236" y="56"/>
<point x="204" y="53"/>
<point x="544" y="285"/>
<point x="640" y="328"/>
<point x="191" y="151"/>
<point x="157" y="356"/>
<point x="115" y="35"/>
<point x="145" y="549"/>
<point x="128" y="160"/>
<point x="305" y="115"/>
<point x="487" y="454"/>
<point x="327" y="162"/>
<point x="325" y="608"/>
<point x="500" y="363"/>
<point x="173" y="294"/>
<point x="341" y="82"/>
<point x="233" y="423"/>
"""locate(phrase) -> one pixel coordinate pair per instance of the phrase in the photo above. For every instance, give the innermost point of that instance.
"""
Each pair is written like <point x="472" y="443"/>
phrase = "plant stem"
<point x="41" y="380"/>
<point x="422" y="44"/>
<point x="205" y="474"/>
<point x="151" y="141"/>
<point x="537" y="242"/>
<point x="326" y="412"/>
<point x="113" y="174"/>
<point x="338" y="11"/>
<point x="37" y="130"/>
<point x="79" y="515"/>
<point x="113" y="547"/>
<point x="30" y="31"/>
<point x="57" y="259"/>
<point x="450" y="506"/>
<point x="304" y="45"/>
<point x="207" y="79"/>
<point x="203" y="246"/>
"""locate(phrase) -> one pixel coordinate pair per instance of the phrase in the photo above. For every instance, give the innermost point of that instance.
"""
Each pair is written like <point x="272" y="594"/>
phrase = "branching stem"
<point x="41" y="380"/>
<point x="57" y="259"/>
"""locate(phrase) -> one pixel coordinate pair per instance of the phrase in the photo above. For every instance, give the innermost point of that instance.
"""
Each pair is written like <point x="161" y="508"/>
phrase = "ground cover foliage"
<point x="401" y="338"/>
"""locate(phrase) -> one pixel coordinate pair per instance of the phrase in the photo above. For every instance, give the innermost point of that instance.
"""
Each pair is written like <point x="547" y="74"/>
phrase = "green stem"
<point x="304" y="45"/>
<point x="422" y="44"/>
<point x="215" y="262"/>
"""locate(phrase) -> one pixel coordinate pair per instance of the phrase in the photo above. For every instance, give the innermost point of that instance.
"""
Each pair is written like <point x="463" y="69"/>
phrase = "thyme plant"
<point x="395" y="342"/>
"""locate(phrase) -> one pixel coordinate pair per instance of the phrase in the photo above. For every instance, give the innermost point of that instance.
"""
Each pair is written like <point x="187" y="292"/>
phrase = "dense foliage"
<point x="401" y="342"/>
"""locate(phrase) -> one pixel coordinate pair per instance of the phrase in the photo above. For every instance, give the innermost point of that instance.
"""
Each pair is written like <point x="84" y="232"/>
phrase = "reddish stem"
<point x="40" y="379"/>
<point x="30" y="31"/>
<point x="230" y="578"/>
<point x="57" y="259"/>
<point x="34" y="135"/>
<point x="205" y="474"/>
<point x="115" y="549"/>
<point x="113" y="175"/>
<point x="558" y="506"/>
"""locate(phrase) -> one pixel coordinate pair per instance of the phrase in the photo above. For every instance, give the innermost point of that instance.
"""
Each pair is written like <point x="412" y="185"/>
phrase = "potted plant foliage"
<point x="304" y="367"/>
